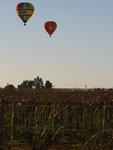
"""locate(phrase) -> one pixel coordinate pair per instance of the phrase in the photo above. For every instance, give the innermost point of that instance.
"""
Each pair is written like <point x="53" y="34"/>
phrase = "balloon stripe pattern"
<point x="25" y="11"/>
<point x="50" y="27"/>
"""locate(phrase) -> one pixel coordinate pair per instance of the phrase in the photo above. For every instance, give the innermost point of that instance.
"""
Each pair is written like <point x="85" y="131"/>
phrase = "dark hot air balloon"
<point x="50" y="27"/>
<point x="24" y="11"/>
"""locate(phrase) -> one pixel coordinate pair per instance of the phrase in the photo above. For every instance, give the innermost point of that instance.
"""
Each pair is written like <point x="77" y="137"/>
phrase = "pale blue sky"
<point x="80" y="51"/>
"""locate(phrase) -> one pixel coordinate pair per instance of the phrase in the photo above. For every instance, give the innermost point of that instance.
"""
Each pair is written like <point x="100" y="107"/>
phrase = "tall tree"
<point x="48" y="84"/>
<point x="26" y="84"/>
<point x="38" y="83"/>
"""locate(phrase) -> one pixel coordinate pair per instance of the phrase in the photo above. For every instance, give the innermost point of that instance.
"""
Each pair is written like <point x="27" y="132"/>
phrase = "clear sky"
<point x="80" y="51"/>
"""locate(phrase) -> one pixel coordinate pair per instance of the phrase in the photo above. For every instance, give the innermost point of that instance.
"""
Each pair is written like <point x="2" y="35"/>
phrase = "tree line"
<point x="33" y="84"/>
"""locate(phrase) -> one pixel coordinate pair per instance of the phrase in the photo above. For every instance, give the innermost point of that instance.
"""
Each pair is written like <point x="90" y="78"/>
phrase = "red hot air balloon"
<point x="50" y="27"/>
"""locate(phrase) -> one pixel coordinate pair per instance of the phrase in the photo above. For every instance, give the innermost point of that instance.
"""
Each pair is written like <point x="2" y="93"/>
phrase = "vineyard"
<point x="43" y="119"/>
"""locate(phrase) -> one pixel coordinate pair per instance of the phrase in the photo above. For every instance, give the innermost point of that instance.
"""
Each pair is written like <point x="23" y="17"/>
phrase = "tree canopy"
<point x="36" y="83"/>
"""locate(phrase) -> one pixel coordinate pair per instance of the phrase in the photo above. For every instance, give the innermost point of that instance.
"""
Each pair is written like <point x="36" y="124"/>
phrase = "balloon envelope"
<point x="50" y="27"/>
<point x="24" y="11"/>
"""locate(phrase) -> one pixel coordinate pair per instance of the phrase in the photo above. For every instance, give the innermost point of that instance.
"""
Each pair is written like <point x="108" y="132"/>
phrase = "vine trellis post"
<point x="12" y="122"/>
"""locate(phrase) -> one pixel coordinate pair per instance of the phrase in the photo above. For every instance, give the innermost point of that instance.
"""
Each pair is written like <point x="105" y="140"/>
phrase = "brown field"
<point x="56" y="119"/>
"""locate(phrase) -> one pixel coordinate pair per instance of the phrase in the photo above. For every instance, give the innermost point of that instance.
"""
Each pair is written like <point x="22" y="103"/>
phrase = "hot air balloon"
<point x="50" y="27"/>
<point x="24" y="11"/>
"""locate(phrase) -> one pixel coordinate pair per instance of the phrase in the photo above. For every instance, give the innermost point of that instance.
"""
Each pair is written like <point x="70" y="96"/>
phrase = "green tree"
<point x="48" y="84"/>
<point x="9" y="86"/>
<point x="26" y="84"/>
<point x="38" y="83"/>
